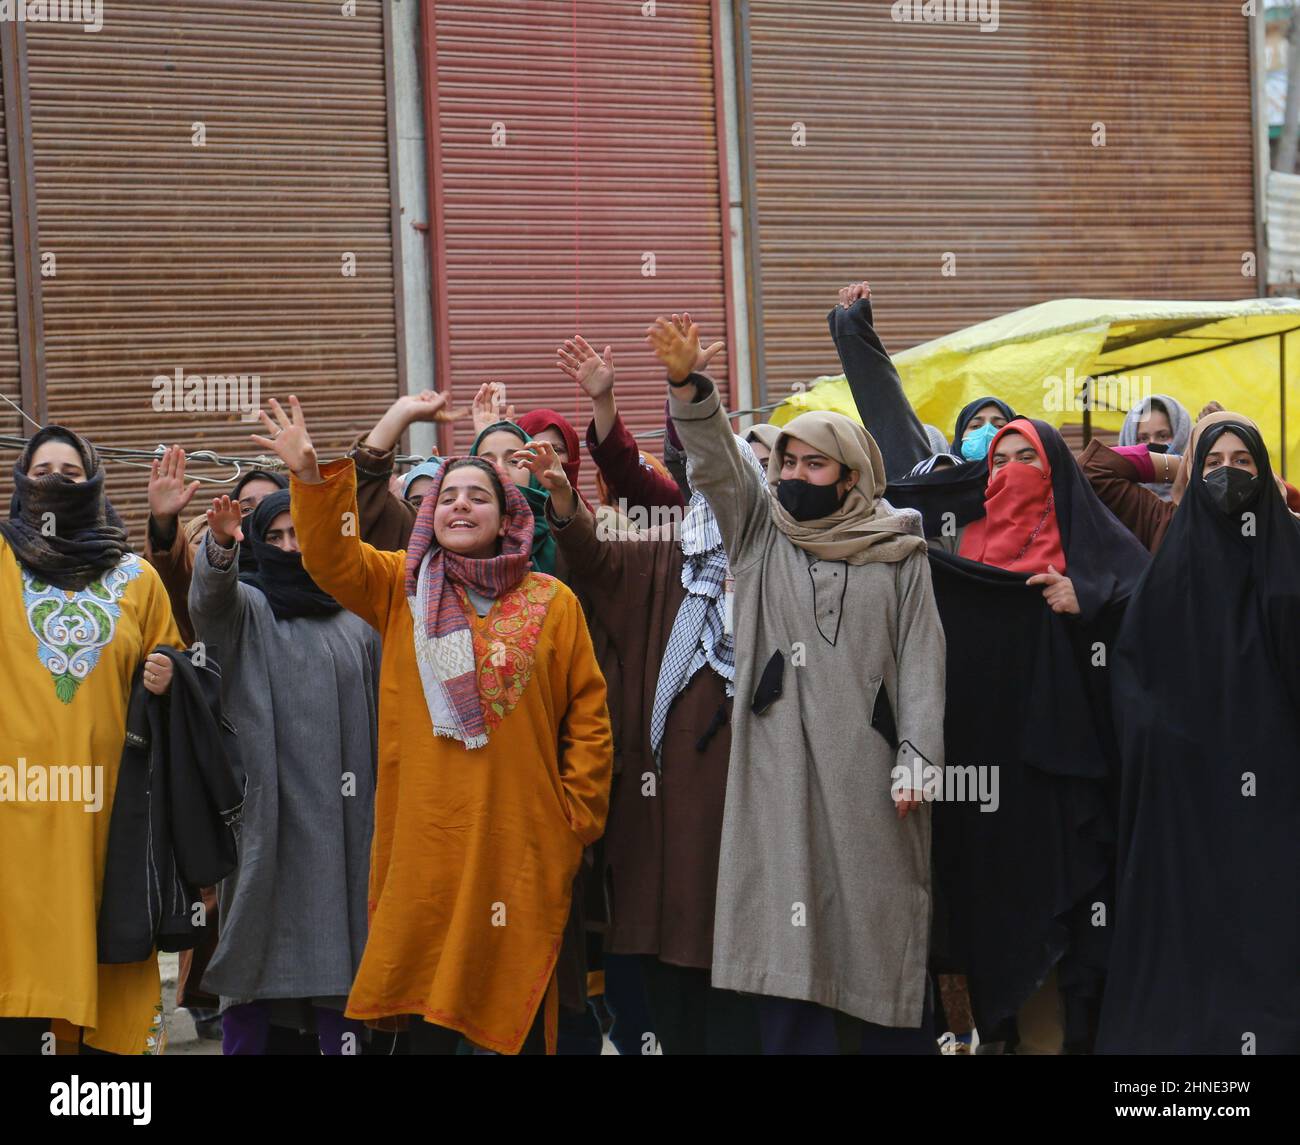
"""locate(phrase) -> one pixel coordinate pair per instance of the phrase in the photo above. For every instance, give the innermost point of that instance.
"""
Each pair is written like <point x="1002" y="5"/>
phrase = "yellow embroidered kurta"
<point x="66" y="662"/>
<point x="474" y="852"/>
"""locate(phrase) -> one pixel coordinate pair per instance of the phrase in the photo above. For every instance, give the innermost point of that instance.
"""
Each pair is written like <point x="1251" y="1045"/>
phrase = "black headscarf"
<point x="952" y="497"/>
<point x="87" y="538"/>
<point x="969" y="410"/>
<point x="247" y="558"/>
<point x="1028" y="692"/>
<point x="1207" y="703"/>
<point x="280" y="577"/>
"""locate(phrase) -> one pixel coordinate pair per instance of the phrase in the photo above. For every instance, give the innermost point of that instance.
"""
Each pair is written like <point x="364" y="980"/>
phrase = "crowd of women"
<point x="880" y="742"/>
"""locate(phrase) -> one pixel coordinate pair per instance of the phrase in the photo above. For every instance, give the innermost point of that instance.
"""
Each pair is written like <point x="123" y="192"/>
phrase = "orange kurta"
<point x="474" y="851"/>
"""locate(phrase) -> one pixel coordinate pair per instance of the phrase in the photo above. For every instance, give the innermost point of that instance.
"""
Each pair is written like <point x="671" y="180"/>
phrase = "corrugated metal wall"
<point x="605" y="152"/>
<point x="11" y="421"/>
<point x="922" y="139"/>
<point x="222" y="259"/>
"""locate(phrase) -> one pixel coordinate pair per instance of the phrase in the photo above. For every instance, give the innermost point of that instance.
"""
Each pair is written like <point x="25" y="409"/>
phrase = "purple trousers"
<point x="247" y="1029"/>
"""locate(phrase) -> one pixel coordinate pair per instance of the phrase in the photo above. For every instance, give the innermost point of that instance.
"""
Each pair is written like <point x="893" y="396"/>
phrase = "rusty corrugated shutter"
<point x="11" y="422"/>
<point x="221" y="260"/>
<point x="923" y="139"/>
<point x="606" y="153"/>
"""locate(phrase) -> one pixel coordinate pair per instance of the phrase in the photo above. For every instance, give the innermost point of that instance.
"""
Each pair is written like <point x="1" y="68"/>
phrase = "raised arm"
<point x="385" y="518"/>
<point x="737" y="493"/>
<point x="611" y="446"/>
<point x="876" y="387"/>
<point x="167" y="545"/>
<point x="323" y="503"/>
<point x="1115" y="479"/>
<point x="218" y="603"/>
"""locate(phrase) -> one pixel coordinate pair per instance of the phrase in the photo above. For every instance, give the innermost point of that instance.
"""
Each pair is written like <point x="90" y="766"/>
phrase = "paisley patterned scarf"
<point x="436" y="584"/>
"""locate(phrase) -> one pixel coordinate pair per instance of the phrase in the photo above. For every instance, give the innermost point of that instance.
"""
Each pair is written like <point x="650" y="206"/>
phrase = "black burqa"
<point x="1028" y="887"/>
<point x="247" y="561"/>
<point x="953" y="497"/>
<point x="280" y="575"/>
<point x="1206" y="956"/>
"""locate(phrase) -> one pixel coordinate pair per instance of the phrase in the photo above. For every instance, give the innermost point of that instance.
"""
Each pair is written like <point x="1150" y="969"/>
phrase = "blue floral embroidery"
<point x="72" y="627"/>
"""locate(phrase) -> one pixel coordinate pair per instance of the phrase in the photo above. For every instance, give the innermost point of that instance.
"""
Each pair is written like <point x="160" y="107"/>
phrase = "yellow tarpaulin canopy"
<point x="1040" y="360"/>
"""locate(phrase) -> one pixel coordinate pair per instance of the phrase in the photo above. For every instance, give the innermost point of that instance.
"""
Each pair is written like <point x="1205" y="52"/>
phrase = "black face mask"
<point x="805" y="501"/>
<point x="1230" y="489"/>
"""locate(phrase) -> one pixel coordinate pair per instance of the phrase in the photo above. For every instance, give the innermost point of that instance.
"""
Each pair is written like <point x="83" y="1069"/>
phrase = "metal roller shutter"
<point x="11" y="422"/>
<point x="609" y="154"/>
<point x="224" y="259"/>
<point x="923" y="139"/>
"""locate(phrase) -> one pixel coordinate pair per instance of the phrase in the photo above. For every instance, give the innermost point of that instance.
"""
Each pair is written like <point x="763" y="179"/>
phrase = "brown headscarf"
<point x="1184" y="474"/>
<point x="865" y="528"/>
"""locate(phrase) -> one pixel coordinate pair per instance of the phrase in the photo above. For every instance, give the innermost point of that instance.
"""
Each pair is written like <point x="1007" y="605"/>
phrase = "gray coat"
<point x="302" y="693"/>
<point x="823" y="894"/>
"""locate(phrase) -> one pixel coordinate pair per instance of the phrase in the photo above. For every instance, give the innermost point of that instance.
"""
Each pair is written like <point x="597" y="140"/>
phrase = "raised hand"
<point x="678" y="351"/>
<point x="1210" y="407"/>
<point x="224" y="521"/>
<point x="683" y="324"/>
<point x="289" y="440"/>
<point x="168" y="493"/>
<point x="428" y="406"/>
<point x="541" y="460"/>
<point x="490" y="406"/>
<point x="851" y="293"/>
<point x="593" y="372"/>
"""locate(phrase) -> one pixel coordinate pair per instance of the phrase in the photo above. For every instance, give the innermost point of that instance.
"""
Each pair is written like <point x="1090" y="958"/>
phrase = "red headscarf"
<point x="533" y="422"/>
<point x="1019" y="531"/>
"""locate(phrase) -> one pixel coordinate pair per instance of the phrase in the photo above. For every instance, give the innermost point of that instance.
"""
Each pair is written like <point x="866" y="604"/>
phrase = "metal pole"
<point x="1281" y="366"/>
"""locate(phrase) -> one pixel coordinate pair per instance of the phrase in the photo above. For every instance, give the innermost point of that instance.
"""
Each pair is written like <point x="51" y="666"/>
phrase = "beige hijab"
<point x="765" y="432"/>
<point x="865" y="528"/>
<point x="1184" y="474"/>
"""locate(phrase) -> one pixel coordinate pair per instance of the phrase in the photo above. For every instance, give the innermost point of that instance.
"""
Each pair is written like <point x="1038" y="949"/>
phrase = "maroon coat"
<point x="665" y="830"/>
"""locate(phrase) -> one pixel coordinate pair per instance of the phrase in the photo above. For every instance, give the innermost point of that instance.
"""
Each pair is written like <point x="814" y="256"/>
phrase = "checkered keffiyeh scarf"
<point x="699" y="636"/>
<point x="435" y="584"/>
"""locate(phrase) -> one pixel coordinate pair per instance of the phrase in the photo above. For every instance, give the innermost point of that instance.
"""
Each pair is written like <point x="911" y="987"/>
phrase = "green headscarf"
<point x="537" y="498"/>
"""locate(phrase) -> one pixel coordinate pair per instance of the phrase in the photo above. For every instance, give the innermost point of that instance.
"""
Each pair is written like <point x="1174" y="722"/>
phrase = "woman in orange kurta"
<point x="495" y="747"/>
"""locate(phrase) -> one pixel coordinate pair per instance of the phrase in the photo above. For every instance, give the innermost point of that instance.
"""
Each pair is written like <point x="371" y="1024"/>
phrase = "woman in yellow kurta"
<point x="78" y="614"/>
<point x="495" y="749"/>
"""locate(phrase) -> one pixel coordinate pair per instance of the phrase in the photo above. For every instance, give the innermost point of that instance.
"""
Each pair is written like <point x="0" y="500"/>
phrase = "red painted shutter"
<point x="606" y="153"/>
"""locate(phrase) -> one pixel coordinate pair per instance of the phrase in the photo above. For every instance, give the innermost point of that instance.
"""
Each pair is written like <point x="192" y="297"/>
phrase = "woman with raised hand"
<point x="1206" y="956"/>
<point x="494" y="749"/>
<point x="80" y="615"/>
<point x="662" y="597"/>
<point x="823" y="903"/>
<point x="1024" y="871"/>
<point x="300" y="678"/>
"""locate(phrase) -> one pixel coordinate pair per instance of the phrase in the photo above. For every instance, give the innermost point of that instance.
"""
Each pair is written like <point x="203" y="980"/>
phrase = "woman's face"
<point x="1155" y="428"/>
<point x="253" y="493"/>
<point x="467" y="519"/>
<point x="417" y="489"/>
<point x="1014" y="448"/>
<point x="1229" y="449"/>
<point x="59" y="457"/>
<point x="801" y="462"/>
<point x="282" y="534"/>
<point x="554" y="437"/>
<point x="761" y="451"/>
<point x="499" y="447"/>
<point x="985" y="415"/>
